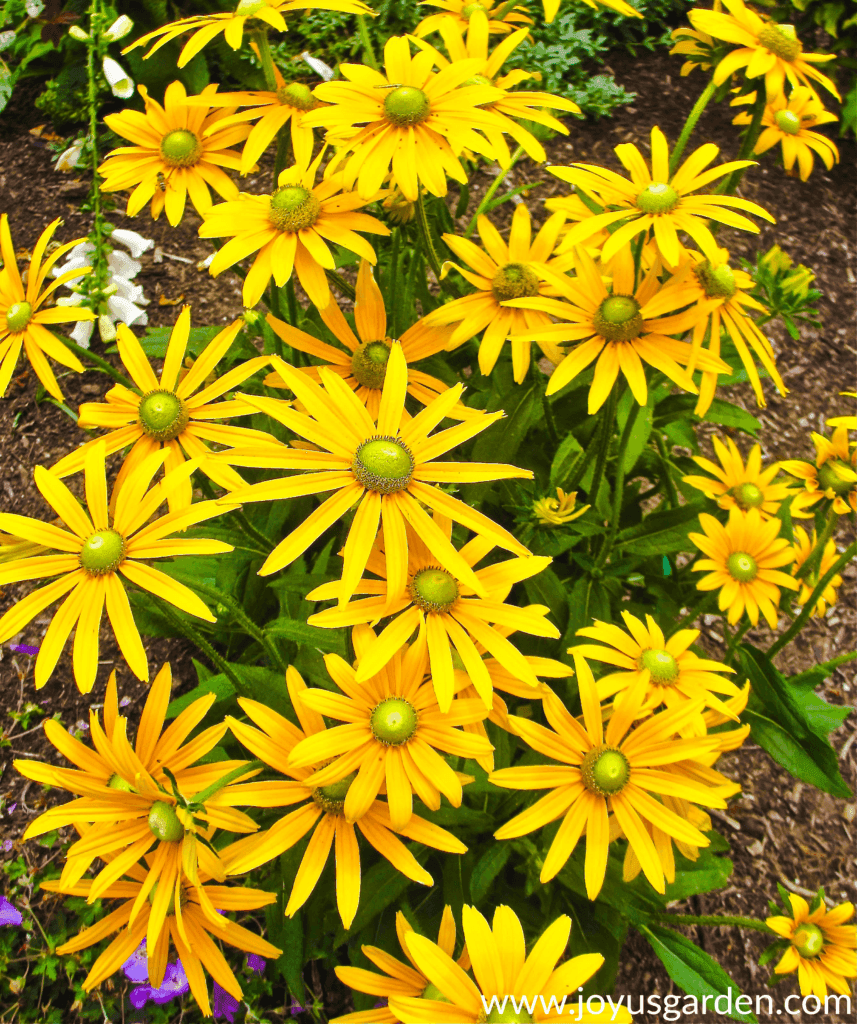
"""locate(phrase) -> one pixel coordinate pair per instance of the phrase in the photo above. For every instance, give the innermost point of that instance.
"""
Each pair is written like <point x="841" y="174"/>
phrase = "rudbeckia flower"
<point x="167" y="414"/>
<point x="821" y="946"/>
<point x="395" y="736"/>
<point x="552" y="6"/>
<point x="765" y="48"/>
<point x="363" y="364"/>
<point x="459" y="13"/>
<point x="803" y="547"/>
<point x="735" y="485"/>
<point x="192" y="922"/>
<point x="454" y="618"/>
<point x="850" y="422"/>
<point x="604" y="771"/>
<point x="502" y="271"/>
<point x="523" y="104"/>
<point x="173" y="155"/>
<point x="699" y="49"/>
<point x="206" y="27"/>
<point x="788" y="121"/>
<point x="415" y="119"/>
<point x="321" y="812"/>
<point x="127" y="801"/>
<point x="724" y="301"/>
<point x="558" y="511"/>
<point x="623" y="329"/>
<point x="93" y="551"/>
<point x="744" y="562"/>
<point x="674" y="674"/>
<point x="502" y="970"/>
<point x="833" y="476"/>
<point x="24" y="317"/>
<point x="290" y="230"/>
<point x="657" y="200"/>
<point x="387" y="467"/>
<point x="398" y="979"/>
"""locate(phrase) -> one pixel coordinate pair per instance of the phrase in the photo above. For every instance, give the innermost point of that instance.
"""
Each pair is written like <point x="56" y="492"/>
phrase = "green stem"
<point x="609" y="415"/>
<point x="341" y="284"/>
<point x="250" y="529"/>
<point x="501" y="13"/>
<point x="671" y="493"/>
<point x="84" y="353"/>
<point x="425" y="235"/>
<point x="826" y="666"/>
<point x="284" y="151"/>
<point x="619" y="487"/>
<point x="697" y="610"/>
<point x="690" y="124"/>
<point x="733" y="643"/>
<point x="193" y="634"/>
<point x="225" y="780"/>
<point x="365" y="39"/>
<point x="800" y="621"/>
<point x="393" y="280"/>
<point x="266" y="59"/>
<point x="489" y="195"/>
<point x="715" y="921"/>
<point x="731" y="183"/>
<point x="815" y="555"/>
<point x="550" y="421"/>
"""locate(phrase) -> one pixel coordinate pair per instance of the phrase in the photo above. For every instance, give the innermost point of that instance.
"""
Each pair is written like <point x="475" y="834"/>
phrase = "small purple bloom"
<point x="10" y="810"/>
<point x="8" y="914"/>
<point x="256" y="963"/>
<point x="7" y="845"/>
<point x="135" y="967"/>
<point x="224" y="1004"/>
<point x="381" y="1004"/>
<point x="24" y="649"/>
<point x="296" y="1008"/>
<point x="175" y="984"/>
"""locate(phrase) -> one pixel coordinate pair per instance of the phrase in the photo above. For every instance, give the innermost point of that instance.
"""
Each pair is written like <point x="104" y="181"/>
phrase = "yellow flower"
<point x="724" y="301"/>
<point x="399" y="979"/>
<point x="321" y="809"/>
<point x="173" y="156"/>
<point x="787" y="121"/>
<point x="127" y="798"/>
<point x="501" y="271"/>
<point x="167" y="414"/>
<point x="737" y="485"/>
<point x="97" y="549"/>
<point x="290" y="230"/>
<point x="558" y="511"/>
<point x="821" y="946"/>
<point x="24" y="319"/>
<point x="12" y="548"/>
<point x="673" y="673"/>
<point x="459" y="12"/>
<point x="765" y="48"/>
<point x="834" y="475"/>
<point x="698" y="47"/>
<point x="523" y="104"/>
<point x="192" y="921"/>
<point x="433" y="599"/>
<point x="387" y="468"/>
<point x="206" y="27"/>
<point x="744" y="562"/>
<point x="607" y="771"/>
<point x="623" y="329"/>
<point x="363" y="366"/>
<point x="802" y="549"/>
<point x="415" y="119"/>
<point x="552" y="6"/>
<point x="657" y="200"/>
<point x="501" y="968"/>
<point x="850" y="422"/>
<point x="394" y="732"/>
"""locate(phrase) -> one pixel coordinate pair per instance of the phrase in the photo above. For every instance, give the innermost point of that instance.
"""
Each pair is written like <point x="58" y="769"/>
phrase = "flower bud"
<point x="106" y="328"/>
<point x="319" y="67"/>
<point x="71" y="157"/>
<point x="78" y="33"/>
<point x="119" y="29"/>
<point x="118" y="80"/>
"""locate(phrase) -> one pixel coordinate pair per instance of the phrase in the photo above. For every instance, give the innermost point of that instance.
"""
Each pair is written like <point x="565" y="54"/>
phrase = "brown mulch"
<point x="779" y="830"/>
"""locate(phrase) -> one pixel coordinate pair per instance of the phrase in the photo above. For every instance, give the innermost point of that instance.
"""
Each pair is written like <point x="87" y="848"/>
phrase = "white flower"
<point x="78" y="33"/>
<point x="106" y="328"/>
<point x="135" y="243"/>
<point x="119" y="29"/>
<point x="71" y="157"/>
<point x="83" y="332"/>
<point x="318" y="66"/>
<point x="118" y="80"/>
<point x="121" y="263"/>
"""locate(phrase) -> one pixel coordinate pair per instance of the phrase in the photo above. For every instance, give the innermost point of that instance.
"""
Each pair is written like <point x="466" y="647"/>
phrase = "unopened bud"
<point x="78" y="33"/>
<point x="119" y="29"/>
<point x="117" y="78"/>
<point x="106" y="328"/>
<point x="252" y="317"/>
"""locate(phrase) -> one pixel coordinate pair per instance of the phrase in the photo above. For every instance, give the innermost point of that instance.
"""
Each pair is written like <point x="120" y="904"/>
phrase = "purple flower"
<point x="175" y="984"/>
<point x="256" y="963"/>
<point x="8" y="914"/>
<point x="10" y="810"/>
<point x="225" y="1004"/>
<point x="296" y="1008"/>
<point x="24" y="649"/>
<point x="7" y="845"/>
<point x="136" y="967"/>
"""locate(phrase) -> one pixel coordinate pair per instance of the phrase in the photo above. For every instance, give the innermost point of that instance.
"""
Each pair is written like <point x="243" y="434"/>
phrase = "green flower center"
<point x="297" y="95"/>
<point x="808" y="940"/>
<point x="102" y="552"/>
<point x="247" y="8"/>
<point x="383" y="464"/>
<point x="831" y="480"/>
<point x="477" y="80"/>
<point x="117" y="782"/>
<point x="659" y="197"/>
<point x="742" y="567"/>
<point x="618" y="318"/>
<point x="394" y="721"/>
<point x="514" y="281"/>
<point x="605" y="770"/>
<point x="781" y="40"/>
<point x="163" y="415"/>
<point x="433" y="589"/>
<point x="406" y="105"/>
<point x="747" y="495"/>
<point x="787" y="122"/>
<point x="434" y="993"/>
<point x="332" y="798"/>
<point x="508" y="1015"/>
<point x="18" y="316"/>
<point x="180" y="148"/>
<point x="718" y="282"/>
<point x="662" y="666"/>
<point x="293" y="208"/>
<point x="369" y="364"/>
<point x="164" y="822"/>
<point x="469" y="10"/>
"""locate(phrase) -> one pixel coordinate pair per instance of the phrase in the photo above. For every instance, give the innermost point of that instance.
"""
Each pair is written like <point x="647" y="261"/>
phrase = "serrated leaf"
<point x="486" y="869"/>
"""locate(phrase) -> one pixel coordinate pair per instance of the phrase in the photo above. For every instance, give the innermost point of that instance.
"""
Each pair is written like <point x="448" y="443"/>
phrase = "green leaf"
<point x="216" y="684"/>
<point x="382" y="884"/>
<point x="563" y="462"/>
<point x="546" y="588"/>
<point x="330" y="640"/>
<point x="7" y="82"/>
<point x="695" y="877"/>
<point x="486" y="869"/>
<point x="661" y="532"/>
<point x="786" y="750"/>
<point x="694" y="971"/>
<point x="729" y="415"/>
<point x="641" y="431"/>
<point x="501" y="441"/>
